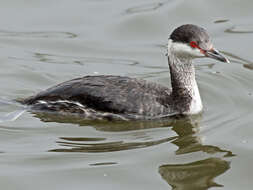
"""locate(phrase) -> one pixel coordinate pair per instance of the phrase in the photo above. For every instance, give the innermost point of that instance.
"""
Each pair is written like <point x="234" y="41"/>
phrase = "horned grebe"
<point x="120" y="97"/>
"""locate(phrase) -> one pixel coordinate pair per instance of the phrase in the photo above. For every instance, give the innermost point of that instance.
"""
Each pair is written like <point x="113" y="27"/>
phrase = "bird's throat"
<point x="185" y="92"/>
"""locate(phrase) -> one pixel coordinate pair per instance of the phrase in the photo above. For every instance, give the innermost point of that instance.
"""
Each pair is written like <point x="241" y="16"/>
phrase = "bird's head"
<point x="191" y="41"/>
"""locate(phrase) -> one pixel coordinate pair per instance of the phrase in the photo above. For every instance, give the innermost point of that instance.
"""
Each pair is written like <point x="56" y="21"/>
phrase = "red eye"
<point x="194" y="44"/>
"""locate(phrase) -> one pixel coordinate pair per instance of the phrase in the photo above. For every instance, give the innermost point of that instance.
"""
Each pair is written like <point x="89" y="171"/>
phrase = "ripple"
<point x="10" y="110"/>
<point x="145" y="8"/>
<point x="240" y="29"/>
<point x="232" y="86"/>
<point x="106" y="146"/>
<point x="103" y="164"/>
<point x="221" y="21"/>
<point x="248" y="66"/>
<point x="237" y="59"/>
<point x="106" y="125"/>
<point x="11" y="116"/>
<point x="40" y="34"/>
<point x="63" y="59"/>
<point x="139" y="136"/>
<point x="51" y="58"/>
<point x="82" y="139"/>
<point x="148" y="7"/>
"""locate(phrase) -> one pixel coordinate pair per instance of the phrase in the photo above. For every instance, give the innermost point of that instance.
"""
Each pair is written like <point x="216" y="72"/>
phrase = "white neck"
<point x="185" y="90"/>
<point x="196" y="104"/>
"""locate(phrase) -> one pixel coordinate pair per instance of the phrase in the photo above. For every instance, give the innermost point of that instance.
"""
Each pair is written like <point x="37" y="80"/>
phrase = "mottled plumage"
<point x="112" y="94"/>
<point x="118" y="97"/>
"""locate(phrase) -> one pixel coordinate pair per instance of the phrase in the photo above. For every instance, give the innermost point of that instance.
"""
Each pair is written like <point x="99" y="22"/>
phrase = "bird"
<point x="126" y="98"/>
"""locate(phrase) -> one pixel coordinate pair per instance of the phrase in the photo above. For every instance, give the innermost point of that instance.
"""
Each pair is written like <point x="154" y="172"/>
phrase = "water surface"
<point x="47" y="42"/>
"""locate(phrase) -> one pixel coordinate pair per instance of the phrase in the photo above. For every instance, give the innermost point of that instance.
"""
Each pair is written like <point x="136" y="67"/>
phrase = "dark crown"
<point x="189" y="32"/>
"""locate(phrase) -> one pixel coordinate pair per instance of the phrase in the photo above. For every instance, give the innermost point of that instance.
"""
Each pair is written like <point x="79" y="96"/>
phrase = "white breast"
<point x="196" y="104"/>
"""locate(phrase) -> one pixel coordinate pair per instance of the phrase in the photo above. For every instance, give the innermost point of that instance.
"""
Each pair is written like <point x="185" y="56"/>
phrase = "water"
<point x="47" y="42"/>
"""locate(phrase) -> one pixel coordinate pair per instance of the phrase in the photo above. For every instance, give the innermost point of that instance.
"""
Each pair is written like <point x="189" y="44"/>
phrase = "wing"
<point x="114" y="94"/>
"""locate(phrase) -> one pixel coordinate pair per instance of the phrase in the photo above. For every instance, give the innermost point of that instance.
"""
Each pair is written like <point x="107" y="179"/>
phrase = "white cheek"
<point x="195" y="52"/>
<point x="184" y="50"/>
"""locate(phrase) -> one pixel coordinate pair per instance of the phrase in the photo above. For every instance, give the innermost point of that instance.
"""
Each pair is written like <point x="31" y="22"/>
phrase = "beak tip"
<point x="227" y="60"/>
<point x="213" y="53"/>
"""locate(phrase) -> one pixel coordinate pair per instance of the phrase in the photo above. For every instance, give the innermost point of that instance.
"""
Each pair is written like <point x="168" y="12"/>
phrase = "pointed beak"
<point x="215" y="54"/>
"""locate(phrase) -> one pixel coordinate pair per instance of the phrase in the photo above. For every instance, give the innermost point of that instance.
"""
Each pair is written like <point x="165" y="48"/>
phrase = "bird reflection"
<point x="97" y="145"/>
<point x="188" y="141"/>
<point x="105" y="125"/>
<point x="197" y="175"/>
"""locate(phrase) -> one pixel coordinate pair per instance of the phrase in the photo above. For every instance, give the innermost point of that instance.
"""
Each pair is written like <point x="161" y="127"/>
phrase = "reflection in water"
<point x="78" y="144"/>
<point x="104" y="125"/>
<point x="197" y="175"/>
<point x="70" y="146"/>
<point x="82" y="139"/>
<point x="188" y="141"/>
<point x="194" y="176"/>
<point x="84" y="144"/>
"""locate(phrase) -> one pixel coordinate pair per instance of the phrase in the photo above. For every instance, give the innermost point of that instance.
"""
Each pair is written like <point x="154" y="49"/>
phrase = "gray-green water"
<point x="46" y="42"/>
